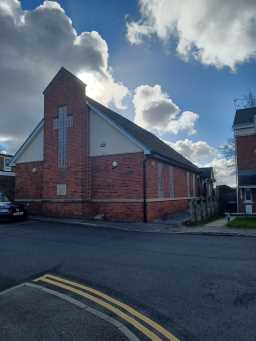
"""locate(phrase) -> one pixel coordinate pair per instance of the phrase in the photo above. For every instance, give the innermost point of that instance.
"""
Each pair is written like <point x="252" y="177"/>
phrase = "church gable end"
<point x="65" y="140"/>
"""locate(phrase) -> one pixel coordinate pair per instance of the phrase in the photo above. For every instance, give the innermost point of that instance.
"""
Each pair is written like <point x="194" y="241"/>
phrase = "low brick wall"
<point x="163" y="209"/>
<point x="132" y="212"/>
<point x="62" y="209"/>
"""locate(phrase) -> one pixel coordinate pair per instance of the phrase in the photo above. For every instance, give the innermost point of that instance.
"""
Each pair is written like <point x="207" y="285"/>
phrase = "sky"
<point x="174" y="67"/>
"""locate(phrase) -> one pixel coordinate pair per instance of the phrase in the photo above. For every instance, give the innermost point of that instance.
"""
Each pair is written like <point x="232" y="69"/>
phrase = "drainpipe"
<point x="145" y="215"/>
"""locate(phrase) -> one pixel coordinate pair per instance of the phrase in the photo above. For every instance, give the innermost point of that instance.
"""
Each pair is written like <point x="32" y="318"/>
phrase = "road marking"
<point x="121" y="327"/>
<point x="108" y="306"/>
<point x="64" y="283"/>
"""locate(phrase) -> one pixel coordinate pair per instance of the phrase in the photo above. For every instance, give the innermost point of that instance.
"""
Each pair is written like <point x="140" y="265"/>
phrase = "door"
<point x="248" y="209"/>
<point x="248" y="200"/>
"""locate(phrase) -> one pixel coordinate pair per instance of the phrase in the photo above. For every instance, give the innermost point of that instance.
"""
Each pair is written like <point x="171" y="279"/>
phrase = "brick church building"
<point x="85" y="160"/>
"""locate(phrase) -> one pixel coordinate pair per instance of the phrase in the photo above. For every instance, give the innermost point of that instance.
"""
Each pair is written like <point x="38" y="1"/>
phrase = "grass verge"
<point x="243" y="222"/>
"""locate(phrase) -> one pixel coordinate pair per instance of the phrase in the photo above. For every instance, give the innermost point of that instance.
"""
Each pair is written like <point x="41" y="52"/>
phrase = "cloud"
<point x="34" y="45"/>
<point x="155" y="110"/>
<point x="199" y="152"/>
<point x="224" y="171"/>
<point x="204" y="155"/>
<point x="208" y="30"/>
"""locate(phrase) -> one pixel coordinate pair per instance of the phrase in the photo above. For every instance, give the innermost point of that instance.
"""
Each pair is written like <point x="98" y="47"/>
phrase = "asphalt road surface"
<point x="195" y="287"/>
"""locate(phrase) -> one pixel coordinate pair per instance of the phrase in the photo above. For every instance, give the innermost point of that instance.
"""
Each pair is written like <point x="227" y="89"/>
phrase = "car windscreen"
<point x="3" y="197"/>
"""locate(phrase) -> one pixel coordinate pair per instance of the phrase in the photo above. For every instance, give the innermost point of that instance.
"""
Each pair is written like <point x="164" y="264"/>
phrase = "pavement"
<point x="215" y="227"/>
<point x="72" y="282"/>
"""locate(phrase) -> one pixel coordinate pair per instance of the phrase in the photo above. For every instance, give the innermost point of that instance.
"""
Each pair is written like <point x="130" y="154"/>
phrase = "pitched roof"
<point x="244" y="116"/>
<point x="156" y="146"/>
<point x="6" y="155"/>
<point x="206" y="172"/>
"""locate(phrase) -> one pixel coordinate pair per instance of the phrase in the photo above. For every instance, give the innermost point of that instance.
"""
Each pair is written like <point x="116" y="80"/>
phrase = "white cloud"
<point x="199" y="152"/>
<point x="224" y="171"/>
<point x="34" y="45"/>
<point x="155" y="110"/>
<point x="203" y="155"/>
<point x="215" y="32"/>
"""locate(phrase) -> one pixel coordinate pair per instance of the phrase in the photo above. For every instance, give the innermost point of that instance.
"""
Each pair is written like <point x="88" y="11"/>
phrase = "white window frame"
<point x="249" y="190"/>
<point x="7" y="168"/>
<point x="61" y="189"/>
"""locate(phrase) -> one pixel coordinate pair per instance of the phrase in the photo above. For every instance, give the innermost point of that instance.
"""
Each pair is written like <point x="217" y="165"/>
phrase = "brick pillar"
<point x="66" y="90"/>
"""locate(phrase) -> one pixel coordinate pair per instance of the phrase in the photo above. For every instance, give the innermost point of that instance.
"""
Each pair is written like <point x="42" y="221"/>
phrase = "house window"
<point x="248" y="194"/>
<point x="172" y="193"/>
<point x="7" y="160"/>
<point x="61" y="189"/>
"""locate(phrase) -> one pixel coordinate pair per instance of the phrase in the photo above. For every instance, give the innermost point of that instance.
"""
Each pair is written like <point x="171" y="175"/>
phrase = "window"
<point x="3" y="197"/>
<point x="194" y="185"/>
<point x="188" y="184"/>
<point x="61" y="189"/>
<point x="247" y="194"/>
<point x="160" y="180"/>
<point x="61" y="123"/>
<point x="7" y="168"/>
<point x="172" y="193"/>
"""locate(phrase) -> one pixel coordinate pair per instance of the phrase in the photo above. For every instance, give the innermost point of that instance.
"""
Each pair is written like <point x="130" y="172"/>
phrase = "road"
<point x="196" y="287"/>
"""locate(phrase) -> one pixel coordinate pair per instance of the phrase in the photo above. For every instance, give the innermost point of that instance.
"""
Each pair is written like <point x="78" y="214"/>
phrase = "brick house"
<point x="244" y="127"/>
<point x="84" y="159"/>
<point x="7" y="175"/>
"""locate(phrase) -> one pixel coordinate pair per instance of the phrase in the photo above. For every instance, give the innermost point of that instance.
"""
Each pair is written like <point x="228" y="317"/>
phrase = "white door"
<point x="248" y="209"/>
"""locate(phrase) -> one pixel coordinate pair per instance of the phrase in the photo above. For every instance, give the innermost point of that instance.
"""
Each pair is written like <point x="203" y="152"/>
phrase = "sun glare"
<point x="94" y="87"/>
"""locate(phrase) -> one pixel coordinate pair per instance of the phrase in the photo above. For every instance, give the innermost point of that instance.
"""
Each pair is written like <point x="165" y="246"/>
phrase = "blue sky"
<point x="193" y="85"/>
<point x="203" y="89"/>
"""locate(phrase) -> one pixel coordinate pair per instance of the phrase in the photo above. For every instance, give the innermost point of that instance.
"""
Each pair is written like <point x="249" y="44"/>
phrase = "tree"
<point x="227" y="150"/>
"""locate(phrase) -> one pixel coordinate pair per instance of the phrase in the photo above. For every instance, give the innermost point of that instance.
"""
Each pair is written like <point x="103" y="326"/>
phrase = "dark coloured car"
<point x="11" y="209"/>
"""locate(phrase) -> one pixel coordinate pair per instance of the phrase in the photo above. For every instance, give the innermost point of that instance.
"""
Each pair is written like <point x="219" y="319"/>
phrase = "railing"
<point x="229" y="215"/>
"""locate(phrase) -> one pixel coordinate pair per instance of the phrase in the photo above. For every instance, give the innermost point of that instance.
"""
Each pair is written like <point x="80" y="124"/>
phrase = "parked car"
<point x="11" y="209"/>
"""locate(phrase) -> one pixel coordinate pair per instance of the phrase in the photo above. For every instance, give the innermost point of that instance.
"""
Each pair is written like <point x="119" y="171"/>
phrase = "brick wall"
<point x="180" y="180"/>
<point x="120" y="211"/>
<point x="62" y="209"/>
<point x="246" y="152"/>
<point x="109" y="185"/>
<point x="164" y="208"/>
<point x="122" y="182"/>
<point x="66" y="90"/>
<point x="125" y="181"/>
<point x="29" y="184"/>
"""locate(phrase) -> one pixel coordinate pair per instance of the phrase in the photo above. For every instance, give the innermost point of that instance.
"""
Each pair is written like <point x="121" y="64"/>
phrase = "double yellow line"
<point x="112" y="305"/>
